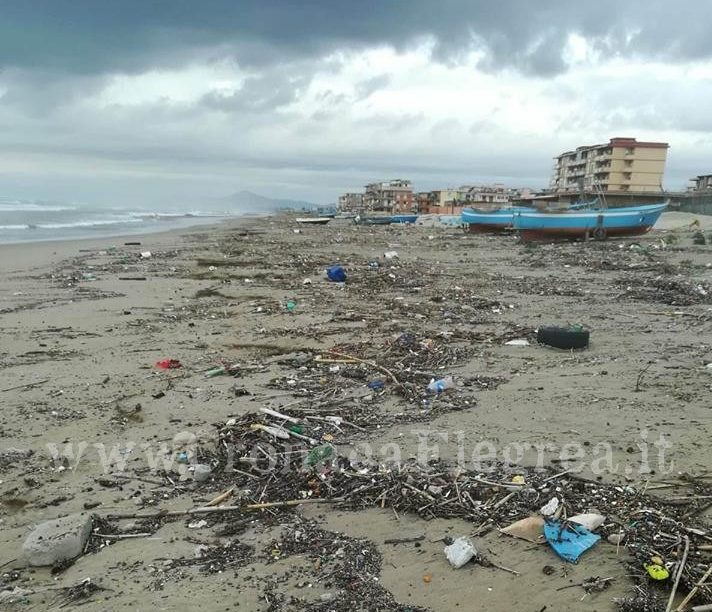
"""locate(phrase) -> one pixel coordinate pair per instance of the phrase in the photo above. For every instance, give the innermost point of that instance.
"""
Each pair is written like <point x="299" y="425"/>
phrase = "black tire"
<point x="563" y="338"/>
<point x="599" y="233"/>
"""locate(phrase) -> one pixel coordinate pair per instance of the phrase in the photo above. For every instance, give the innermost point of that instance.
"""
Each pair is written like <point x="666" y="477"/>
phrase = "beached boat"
<point x="314" y="220"/>
<point x="379" y="220"/>
<point x="598" y="224"/>
<point x="498" y="220"/>
<point x="404" y="218"/>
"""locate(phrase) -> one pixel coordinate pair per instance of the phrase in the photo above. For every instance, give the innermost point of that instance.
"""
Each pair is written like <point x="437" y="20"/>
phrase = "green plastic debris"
<point x="291" y="305"/>
<point x="296" y="429"/>
<point x="320" y="454"/>
<point x="216" y="372"/>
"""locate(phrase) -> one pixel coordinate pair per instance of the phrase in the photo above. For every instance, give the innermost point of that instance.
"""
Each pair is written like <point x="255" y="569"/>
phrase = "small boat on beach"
<point x="404" y="218"/>
<point x="314" y="220"/>
<point x="497" y="220"/>
<point x="597" y="223"/>
<point x="376" y="220"/>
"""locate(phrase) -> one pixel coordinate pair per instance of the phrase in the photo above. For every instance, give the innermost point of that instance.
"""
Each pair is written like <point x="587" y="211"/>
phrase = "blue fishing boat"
<point x="404" y="218"/>
<point x="598" y="223"/>
<point x="498" y="220"/>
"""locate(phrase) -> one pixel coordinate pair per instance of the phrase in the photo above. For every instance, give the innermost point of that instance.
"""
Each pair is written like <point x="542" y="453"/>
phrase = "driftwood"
<point x="210" y="510"/>
<point x="121" y="536"/>
<point x="678" y="575"/>
<point x="220" y="498"/>
<point x="32" y="384"/>
<point x="693" y="591"/>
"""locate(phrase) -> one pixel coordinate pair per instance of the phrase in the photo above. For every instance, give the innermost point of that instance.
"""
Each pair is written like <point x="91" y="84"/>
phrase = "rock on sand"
<point x="57" y="540"/>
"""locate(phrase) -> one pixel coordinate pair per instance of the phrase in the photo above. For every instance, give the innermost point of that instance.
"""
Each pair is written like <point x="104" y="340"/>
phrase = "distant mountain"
<point x="247" y="201"/>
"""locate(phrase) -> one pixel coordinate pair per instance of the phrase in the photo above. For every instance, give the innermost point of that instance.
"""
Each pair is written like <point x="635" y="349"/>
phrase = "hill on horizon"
<point x="254" y="202"/>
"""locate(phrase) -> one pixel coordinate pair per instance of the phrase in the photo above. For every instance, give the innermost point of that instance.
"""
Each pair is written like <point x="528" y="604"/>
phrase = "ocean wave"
<point x="13" y="227"/>
<point x="92" y="223"/>
<point x="175" y="215"/>
<point x="30" y="207"/>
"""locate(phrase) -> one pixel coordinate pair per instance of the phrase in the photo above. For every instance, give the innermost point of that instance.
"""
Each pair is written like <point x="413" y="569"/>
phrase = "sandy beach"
<point x="90" y="425"/>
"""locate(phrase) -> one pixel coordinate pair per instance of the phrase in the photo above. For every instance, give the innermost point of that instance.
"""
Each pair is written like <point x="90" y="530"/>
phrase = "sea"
<point x="35" y="221"/>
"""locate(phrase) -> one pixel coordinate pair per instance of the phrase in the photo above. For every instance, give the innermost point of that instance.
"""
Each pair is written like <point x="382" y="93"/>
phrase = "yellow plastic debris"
<point x="518" y="479"/>
<point x="657" y="572"/>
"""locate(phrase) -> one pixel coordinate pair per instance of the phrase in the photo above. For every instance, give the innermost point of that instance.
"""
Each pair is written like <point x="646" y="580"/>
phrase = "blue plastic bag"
<point x="569" y="540"/>
<point x="336" y="274"/>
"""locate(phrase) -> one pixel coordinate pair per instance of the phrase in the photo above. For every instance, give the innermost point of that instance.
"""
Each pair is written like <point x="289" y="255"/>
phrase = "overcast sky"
<point x="150" y="101"/>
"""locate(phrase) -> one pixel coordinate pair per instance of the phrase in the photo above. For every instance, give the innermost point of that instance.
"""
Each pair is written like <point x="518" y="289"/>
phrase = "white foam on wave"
<point x="96" y="222"/>
<point x="30" y="207"/>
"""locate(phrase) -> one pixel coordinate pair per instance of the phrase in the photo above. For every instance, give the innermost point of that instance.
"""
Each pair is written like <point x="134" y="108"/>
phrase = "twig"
<point x="293" y="502"/>
<point x="170" y="513"/>
<point x="694" y="590"/>
<point x="404" y="540"/>
<point x="367" y="362"/>
<point x="121" y="536"/>
<point x="220" y="498"/>
<point x="501" y="567"/>
<point x="678" y="575"/>
<point x="585" y="583"/>
<point x="502" y="485"/>
<point x="640" y="376"/>
<point x="210" y="510"/>
<point x="32" y="384"/>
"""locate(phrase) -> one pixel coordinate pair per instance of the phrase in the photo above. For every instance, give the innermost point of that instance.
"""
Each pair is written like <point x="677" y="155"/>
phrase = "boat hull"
<point x="494" y="221"/>
<point x="598" y="224"/>
<point x="487" y="228"/>
<point x="404" y="218"/>
<point x="373" y="220"/>
<point x="580" y="233"/>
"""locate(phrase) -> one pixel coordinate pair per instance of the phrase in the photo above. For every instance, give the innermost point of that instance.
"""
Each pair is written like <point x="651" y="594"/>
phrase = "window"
<point x="628" y="163"/>
<point x="629" y="150"/>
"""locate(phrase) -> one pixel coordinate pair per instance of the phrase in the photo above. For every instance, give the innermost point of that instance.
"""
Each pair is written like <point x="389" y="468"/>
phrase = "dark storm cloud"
<point x="130" y="35"/>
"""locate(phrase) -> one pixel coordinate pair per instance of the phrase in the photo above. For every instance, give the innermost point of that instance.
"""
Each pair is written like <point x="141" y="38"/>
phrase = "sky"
<point x="172" y="100"/>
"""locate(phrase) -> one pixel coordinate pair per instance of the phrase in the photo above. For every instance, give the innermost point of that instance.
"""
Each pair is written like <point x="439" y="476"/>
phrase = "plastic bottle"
<point x="438" y="386"/>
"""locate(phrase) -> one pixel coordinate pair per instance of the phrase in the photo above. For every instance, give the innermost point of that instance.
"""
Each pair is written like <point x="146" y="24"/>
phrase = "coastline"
<point x="218" y="294"/>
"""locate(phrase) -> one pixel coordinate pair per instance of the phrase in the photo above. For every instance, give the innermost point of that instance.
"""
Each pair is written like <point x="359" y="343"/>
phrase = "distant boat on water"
<point x="597" y="223"/>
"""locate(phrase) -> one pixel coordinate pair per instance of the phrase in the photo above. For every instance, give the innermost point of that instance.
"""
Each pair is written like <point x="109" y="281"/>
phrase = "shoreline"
<point x="49" y="251"/>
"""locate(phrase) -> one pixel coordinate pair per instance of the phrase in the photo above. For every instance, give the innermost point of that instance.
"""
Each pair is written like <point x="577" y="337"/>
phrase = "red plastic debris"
<point x="169" y="364"/>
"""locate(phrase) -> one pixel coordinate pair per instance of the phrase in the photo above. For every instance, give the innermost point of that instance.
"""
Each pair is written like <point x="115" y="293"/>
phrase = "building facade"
<point x="495" y="196"/>
<point x="621" y="165"/>
<point x="395" y="196"/>
<point x="351" y="202"/>
<point x="703" y="182"/>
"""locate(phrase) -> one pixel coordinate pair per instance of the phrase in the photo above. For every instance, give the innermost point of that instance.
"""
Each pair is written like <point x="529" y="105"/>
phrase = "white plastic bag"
<point x="460" y="552"/>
